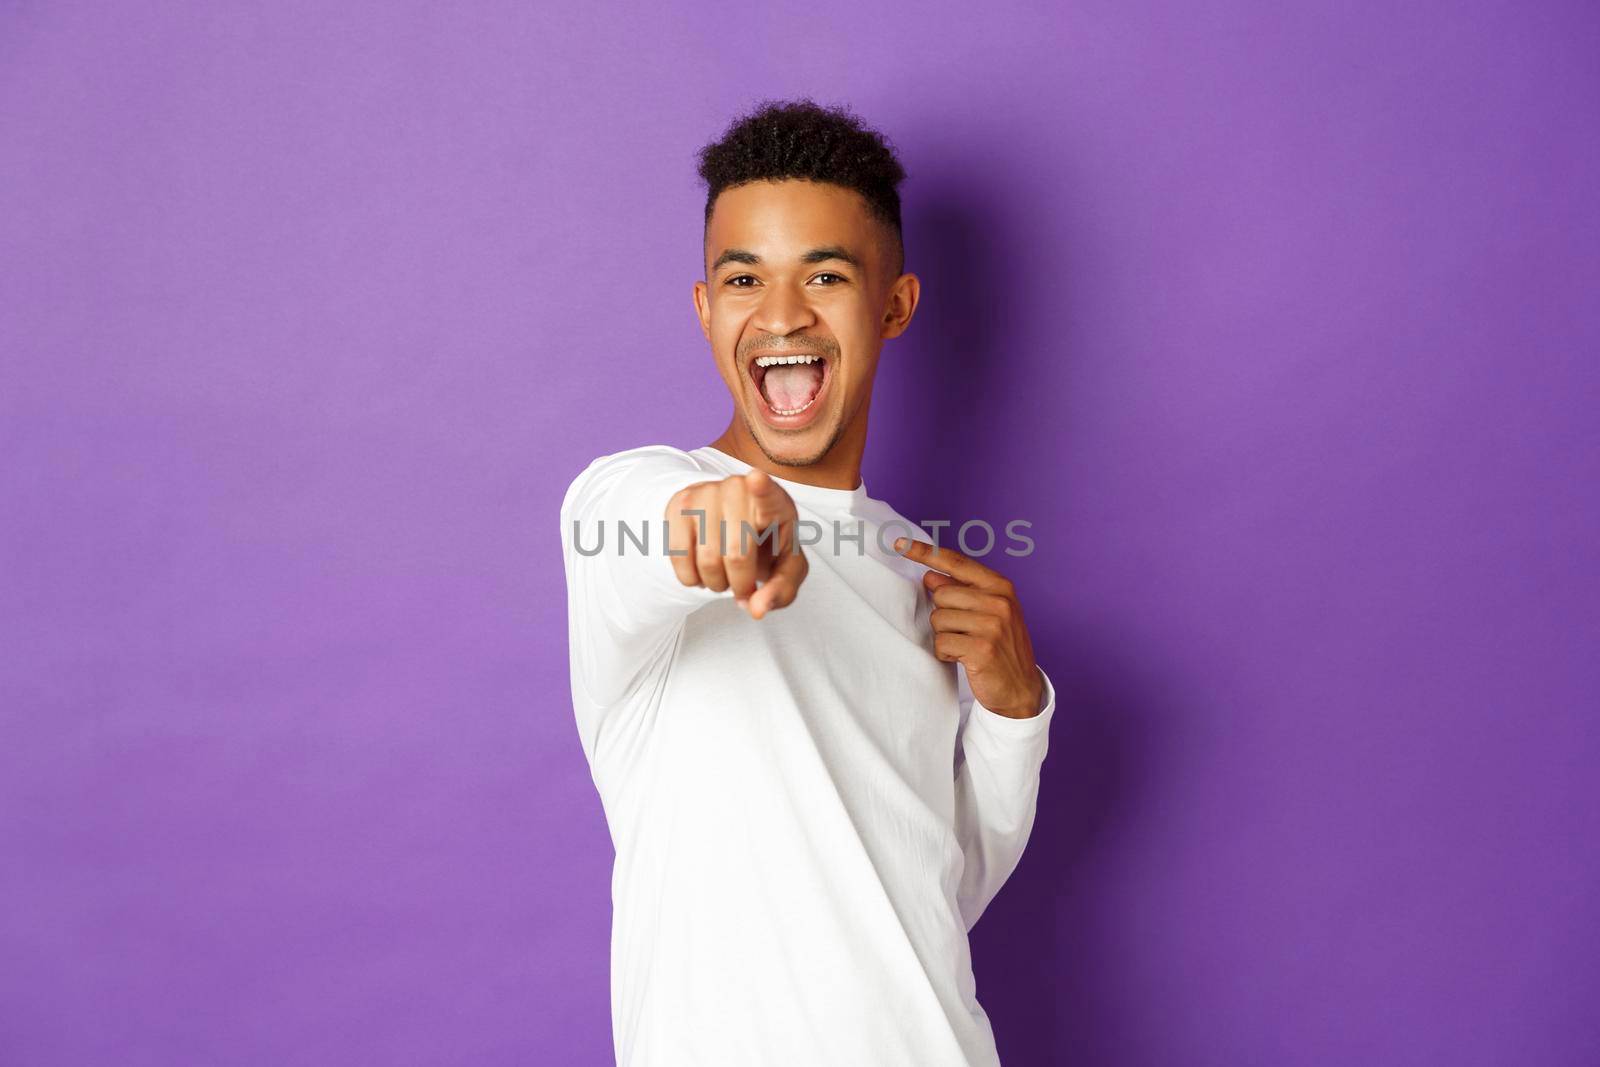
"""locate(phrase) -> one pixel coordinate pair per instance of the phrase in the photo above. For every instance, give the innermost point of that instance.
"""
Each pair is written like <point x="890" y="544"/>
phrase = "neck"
<point x="839" y="468"/>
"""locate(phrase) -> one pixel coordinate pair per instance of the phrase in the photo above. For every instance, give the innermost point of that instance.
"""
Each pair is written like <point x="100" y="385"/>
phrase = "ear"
<point x="702" y="307"/>
<point x="904" y="293"/>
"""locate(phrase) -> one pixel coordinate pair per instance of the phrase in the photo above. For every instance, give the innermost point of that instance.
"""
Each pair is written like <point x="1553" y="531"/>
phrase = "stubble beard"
<point x="783" y="461"/>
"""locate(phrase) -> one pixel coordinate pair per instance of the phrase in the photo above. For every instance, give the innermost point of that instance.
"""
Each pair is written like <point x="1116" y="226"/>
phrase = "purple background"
<point x="1278" y="321"/>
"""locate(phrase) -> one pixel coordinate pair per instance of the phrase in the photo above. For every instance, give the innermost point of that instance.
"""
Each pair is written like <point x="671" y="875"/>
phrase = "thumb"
<point x="768" y="501"/>
<point x="759" y="483"/>
<point x="769" y="506"/>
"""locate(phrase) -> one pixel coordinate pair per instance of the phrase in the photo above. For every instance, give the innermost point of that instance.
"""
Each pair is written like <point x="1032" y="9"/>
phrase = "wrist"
<point x="1023" y="711"/>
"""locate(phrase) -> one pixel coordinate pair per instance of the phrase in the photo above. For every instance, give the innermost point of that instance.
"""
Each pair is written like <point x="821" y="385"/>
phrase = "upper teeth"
<point x="773" y="361"/>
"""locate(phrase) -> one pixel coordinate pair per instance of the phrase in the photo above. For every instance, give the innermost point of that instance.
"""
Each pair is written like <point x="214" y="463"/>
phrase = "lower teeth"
<point x="795" y="411"/>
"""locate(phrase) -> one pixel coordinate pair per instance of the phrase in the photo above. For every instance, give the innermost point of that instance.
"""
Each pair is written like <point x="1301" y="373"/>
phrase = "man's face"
<point x="799" y="268"/>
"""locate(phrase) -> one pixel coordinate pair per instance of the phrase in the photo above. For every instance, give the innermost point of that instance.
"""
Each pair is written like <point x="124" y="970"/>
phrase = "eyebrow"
<point x="815" y="255"/>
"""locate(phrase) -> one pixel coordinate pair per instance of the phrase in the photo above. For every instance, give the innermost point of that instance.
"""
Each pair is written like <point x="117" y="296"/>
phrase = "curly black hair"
<point x="805" y="140"/>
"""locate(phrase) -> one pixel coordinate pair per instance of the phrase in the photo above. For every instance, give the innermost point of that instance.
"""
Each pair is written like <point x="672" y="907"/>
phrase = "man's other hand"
<point x="978" y="621"/>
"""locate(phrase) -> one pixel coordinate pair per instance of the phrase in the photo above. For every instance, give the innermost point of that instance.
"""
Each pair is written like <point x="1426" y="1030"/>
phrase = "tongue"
<point x="792" y="385"/>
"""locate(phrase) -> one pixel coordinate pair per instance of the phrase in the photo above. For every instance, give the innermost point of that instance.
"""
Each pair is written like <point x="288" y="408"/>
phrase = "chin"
<point x="795" y="448"/>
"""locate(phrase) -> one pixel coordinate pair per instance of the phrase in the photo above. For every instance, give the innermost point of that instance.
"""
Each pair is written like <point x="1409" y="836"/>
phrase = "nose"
<point x="784" y="310"/>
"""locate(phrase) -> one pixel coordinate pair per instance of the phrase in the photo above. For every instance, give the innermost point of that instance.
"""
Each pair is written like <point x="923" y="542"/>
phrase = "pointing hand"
<point x="726" y="528"/>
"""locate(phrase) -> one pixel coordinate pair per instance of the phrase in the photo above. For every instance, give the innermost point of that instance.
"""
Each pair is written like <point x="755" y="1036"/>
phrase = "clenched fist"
<point x="715" y="533"/>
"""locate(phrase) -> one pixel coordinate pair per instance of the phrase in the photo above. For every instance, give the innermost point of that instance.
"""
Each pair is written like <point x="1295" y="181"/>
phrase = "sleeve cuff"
<point x="995" y="722"/>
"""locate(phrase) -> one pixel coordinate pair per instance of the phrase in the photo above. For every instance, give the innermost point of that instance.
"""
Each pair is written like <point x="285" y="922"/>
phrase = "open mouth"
<point x="790" y="385"/>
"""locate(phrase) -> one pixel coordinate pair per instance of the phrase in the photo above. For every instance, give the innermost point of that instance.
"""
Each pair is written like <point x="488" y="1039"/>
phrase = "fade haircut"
<point x="801" y="139"/>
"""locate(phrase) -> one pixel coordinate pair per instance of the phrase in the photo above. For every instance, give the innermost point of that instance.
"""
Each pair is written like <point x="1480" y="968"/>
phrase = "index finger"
<point x="949" y="561"/>
<point x="782" y="586"/>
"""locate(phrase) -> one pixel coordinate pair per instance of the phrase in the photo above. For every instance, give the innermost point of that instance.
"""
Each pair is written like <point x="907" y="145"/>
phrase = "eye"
<point x="830" y="274"/>
<point x="738" y="277"/>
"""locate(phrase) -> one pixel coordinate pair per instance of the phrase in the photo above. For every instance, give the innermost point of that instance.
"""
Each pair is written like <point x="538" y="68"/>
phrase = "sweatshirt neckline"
<point x="816" y="496"/>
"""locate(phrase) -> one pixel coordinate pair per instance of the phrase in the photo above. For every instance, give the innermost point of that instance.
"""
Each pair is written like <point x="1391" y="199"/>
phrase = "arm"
<point x="627" y="596"/>
<point x="1006" y="707"/>
<point x="997" y="789"/>
<point x="627" y="604"/>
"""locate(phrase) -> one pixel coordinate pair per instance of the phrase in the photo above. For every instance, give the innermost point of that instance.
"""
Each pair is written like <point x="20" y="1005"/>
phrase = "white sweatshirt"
<point x="809" y="810"/>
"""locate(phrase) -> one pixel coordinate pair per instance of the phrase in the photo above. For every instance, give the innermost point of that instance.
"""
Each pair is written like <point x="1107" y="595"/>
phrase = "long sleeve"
<point x="626" y="601"/>
<point x="997" y="790"/>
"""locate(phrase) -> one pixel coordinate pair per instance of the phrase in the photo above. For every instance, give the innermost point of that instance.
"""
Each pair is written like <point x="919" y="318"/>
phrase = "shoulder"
<point x="664" y="461"/>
